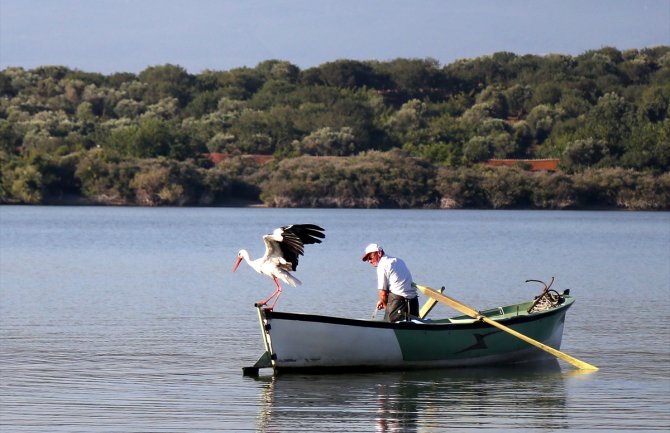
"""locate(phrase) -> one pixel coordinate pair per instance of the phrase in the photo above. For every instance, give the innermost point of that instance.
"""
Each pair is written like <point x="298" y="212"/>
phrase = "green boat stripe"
<point x="464" y="343"/>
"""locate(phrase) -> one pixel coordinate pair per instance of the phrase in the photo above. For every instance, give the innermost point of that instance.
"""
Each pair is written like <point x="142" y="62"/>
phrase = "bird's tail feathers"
<point x="290" y="279"/>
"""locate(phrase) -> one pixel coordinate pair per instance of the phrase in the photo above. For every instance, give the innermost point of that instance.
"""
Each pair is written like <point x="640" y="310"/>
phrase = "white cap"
<point x="372" y="248"/>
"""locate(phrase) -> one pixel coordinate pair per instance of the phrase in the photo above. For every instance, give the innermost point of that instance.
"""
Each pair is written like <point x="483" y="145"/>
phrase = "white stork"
<point x="282" y="249"/>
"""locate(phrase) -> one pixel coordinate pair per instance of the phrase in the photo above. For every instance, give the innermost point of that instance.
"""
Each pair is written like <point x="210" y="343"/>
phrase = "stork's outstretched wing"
<point x="294" y="239"/>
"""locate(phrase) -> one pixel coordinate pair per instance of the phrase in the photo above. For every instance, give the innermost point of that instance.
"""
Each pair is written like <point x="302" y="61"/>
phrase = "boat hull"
<point x="304" y="341"/>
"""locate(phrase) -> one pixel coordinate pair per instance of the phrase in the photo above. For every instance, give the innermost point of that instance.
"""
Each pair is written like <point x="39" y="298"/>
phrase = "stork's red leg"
<point x="274" y="295"/>
<point x="278" y="292"/>
<point x="261" y="303"/>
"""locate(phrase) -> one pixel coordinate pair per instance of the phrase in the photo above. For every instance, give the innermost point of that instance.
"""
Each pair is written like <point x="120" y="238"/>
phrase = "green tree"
<point x="25" y="184"/>
<point x="507" y="187"/>
<point x="326" y="141"/>
<point x="553" y="191"/>
<point x="149" y="138"/>
<point x="279" y="70"/>
<point x="585" y="153"/>
<point x="342" y="73"/>
<point x="166" y="81"/>
<point x="609" y="120"/>
<point x="461" y="188"/>
<point x="478" y="149"/>
<point x="10" y="138"/>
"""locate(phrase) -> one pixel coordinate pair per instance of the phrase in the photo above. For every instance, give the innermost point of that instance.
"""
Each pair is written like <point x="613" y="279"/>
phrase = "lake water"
<point x="131" y="320"/>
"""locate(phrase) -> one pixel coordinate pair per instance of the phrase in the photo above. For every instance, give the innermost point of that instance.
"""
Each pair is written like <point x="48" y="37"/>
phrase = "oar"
<point x="428" y="306"/>
<point x="453" y="303"/>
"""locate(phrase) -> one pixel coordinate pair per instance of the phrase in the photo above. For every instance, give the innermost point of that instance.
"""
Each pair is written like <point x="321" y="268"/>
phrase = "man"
<point x="394" y="282"/>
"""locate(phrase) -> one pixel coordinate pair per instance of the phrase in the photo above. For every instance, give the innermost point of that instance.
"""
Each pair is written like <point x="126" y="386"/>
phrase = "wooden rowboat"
<point x="303" y="342"/>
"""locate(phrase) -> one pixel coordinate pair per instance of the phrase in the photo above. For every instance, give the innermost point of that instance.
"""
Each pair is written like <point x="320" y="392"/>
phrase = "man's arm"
<point x="383" y="299"/>
<point x="382" y="286"/>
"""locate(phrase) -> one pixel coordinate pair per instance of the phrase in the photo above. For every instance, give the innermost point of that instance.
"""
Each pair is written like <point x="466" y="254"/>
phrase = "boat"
<point x="299" y="342"/>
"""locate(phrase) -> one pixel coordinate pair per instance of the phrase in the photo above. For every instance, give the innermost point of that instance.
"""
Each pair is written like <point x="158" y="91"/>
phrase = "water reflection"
<point x="398" y="407"/>
<point x="527" y="397"/>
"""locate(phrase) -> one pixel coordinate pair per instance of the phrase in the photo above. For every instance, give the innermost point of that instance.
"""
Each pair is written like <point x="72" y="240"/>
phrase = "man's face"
<point x="373" y="258"/>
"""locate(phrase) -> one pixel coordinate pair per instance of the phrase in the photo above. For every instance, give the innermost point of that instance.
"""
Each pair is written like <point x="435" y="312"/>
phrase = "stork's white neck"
<point x="255" y="264"/>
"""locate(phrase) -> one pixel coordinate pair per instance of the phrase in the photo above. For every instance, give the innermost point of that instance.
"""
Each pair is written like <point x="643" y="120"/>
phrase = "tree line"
<point x="399" y="133"/>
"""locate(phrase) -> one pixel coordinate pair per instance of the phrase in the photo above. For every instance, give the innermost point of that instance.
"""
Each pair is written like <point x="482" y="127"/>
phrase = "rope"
<point x="546" y="300"/>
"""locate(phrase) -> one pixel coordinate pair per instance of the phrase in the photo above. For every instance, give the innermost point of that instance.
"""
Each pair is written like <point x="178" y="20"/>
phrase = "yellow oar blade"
<point x="459" y="306"/>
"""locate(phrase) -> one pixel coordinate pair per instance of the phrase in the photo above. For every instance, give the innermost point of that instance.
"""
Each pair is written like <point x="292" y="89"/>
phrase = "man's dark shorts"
<point x="399" y="308"/>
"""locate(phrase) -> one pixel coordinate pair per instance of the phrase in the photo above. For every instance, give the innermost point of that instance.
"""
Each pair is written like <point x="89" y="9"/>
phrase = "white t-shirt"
<point x="393" y="275"/>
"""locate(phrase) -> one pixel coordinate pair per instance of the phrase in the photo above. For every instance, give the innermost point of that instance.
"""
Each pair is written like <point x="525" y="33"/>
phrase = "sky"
<point x="109" y="36"/>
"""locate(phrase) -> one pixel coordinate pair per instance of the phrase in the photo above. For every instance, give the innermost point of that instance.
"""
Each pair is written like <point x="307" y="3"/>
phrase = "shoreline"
<point x="76" y="201"/>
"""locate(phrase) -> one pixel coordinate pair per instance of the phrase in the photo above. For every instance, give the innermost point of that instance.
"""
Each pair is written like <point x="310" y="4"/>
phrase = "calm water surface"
<point x="130" y="320"/>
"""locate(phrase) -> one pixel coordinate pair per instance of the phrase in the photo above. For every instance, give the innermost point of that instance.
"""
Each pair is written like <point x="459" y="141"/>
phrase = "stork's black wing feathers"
<point x="296" y="236"/>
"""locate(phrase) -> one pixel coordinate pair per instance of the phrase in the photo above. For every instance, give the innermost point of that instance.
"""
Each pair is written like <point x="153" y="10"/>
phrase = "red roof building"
<point x="217" y="158"/>
<point x="550" y="164"/>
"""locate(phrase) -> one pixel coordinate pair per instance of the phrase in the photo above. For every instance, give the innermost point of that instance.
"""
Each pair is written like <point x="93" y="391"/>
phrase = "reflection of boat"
<point x="314" y="342"/>
<point x="533" y="396"/>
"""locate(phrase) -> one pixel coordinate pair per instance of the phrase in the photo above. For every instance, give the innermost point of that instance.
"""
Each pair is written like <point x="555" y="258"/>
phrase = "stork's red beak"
<point x="237" y="263"/>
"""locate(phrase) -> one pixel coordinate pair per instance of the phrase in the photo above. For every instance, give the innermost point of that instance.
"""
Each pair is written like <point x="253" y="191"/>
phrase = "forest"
<point x="402" y="133"/>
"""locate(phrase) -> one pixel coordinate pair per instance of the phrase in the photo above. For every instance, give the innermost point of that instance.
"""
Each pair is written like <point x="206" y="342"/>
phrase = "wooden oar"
<point x="453" y="303"/>
<point x="428" y="306"/>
